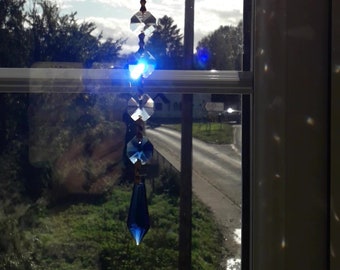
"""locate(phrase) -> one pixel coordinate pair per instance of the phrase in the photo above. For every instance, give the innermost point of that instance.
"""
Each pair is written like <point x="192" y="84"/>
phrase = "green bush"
<point x="211" y="132"/>
<point x="94" y="235"/>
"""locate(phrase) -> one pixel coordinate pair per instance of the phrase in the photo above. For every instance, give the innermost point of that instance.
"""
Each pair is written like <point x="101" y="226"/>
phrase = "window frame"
<point x="72" y="80"/>
<point x="67" y="79"/>
<point x="187" y="82"/>
<point x="259" y="250"/>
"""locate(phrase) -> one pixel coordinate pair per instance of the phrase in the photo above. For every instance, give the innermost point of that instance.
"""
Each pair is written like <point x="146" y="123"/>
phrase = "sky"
<point x="112" y="17"/>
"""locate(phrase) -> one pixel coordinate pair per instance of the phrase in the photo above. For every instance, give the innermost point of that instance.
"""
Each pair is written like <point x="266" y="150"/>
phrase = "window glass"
<point x="67" y="181"/>
<point x="218" y="35"/>
<point x="66" y="177"/>
<point x="217" y="174"/>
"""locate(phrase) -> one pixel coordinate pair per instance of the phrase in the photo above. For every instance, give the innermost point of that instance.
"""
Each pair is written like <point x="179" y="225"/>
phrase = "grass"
<point x="91" y="236"/>
<point x="218" y="133"/>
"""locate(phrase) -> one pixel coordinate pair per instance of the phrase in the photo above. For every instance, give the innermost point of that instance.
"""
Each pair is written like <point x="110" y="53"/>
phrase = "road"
<point x="217" y="180"/>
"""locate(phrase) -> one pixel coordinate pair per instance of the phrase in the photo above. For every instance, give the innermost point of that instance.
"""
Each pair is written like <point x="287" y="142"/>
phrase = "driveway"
<point x="217" y="180"/>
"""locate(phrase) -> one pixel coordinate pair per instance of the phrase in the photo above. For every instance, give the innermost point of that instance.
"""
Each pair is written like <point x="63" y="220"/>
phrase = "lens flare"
<point x="202" y="57"/>
<point x="136" y="70"/>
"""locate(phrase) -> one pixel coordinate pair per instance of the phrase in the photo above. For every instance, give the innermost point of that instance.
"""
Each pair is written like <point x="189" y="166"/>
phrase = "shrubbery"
<point x="94" y="235"/>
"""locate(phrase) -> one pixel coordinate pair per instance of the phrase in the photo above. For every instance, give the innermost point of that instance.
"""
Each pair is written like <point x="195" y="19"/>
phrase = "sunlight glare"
<point x="136" y="70"/>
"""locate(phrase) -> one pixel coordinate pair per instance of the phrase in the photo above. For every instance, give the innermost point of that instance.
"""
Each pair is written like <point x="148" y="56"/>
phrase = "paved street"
<point x="216" y="179"/>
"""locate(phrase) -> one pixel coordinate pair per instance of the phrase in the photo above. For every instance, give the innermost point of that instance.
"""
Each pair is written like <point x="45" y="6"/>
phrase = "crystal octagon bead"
<point x="139" y="149"/>
<point x="142" y="64"/>
<point x="143" y="22"/>
<point x="141" y="109"/>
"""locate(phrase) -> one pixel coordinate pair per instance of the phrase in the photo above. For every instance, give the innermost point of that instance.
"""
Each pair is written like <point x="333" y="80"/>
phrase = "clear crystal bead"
<point x="141" y="108"/>
<point x="143" y="22"/>
<point x="139" y="149"/>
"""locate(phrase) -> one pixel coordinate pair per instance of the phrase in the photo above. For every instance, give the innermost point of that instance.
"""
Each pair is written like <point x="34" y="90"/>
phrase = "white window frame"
<point x="59" y="80"/>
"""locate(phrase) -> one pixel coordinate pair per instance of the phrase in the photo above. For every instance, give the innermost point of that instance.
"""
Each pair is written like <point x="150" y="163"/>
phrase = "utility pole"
<point x="246" y="137"/>
<point x="185" y="222"/>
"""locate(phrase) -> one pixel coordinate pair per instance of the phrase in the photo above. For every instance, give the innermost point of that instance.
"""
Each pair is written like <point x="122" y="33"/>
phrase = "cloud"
<point x="112" y="17"/>
<point x="67" y="4"/>
<point x="116" y="29"/>
<point x="218" y="5"/>
<point x="210" y="20"/>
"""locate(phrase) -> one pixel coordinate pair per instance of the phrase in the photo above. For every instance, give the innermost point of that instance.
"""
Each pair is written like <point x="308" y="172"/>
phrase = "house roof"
<point x="162" y="97"/>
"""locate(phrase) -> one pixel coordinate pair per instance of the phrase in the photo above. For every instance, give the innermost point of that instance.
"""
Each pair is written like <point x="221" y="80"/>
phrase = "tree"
<point x="221" y="50"/>
<point x="166" y="44"/>
<point x="43" y="34"/>
<point x="49" y="36"/>
<point x="13" y="35"/>
<point x="58" y="37"/>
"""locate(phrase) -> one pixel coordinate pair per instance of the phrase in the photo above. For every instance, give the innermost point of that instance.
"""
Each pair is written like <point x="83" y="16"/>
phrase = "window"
<point x="68" y="114"/>
<point x="288" y="218"/>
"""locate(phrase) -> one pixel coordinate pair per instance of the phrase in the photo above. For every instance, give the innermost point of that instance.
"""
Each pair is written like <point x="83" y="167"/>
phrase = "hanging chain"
<point x="142" y="6"/>
<point x="139" y="149"/>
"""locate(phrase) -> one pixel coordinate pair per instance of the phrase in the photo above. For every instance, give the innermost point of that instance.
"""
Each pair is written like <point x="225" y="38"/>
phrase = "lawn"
<point x="93" y="235"/>
<point x="218" y="133"/>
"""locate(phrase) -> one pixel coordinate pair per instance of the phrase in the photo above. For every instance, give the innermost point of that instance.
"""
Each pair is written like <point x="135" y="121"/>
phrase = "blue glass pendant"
<point x="138" y="220"/>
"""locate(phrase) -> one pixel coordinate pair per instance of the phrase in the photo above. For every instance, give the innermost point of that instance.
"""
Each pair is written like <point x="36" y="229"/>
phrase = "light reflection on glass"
<point x="310" y="121"/>
<point x="265" y="67"/>
<point x="277" y="138"/>
<point x="337" y="68"/>
<point x="332" y="252"/>
<point x="283" y="243"/>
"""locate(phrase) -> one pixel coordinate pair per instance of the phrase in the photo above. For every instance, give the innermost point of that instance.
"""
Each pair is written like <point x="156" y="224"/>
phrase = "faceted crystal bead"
<point x="142" y="64"/>
<point x="141" y="109"/>
<point x="139" y="149"/>
<point x="143" y="22"/>
<point x="138" y="219"/>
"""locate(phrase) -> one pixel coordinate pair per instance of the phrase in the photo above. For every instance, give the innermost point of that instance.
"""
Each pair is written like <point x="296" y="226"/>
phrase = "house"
<point x="168" y="107"/>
